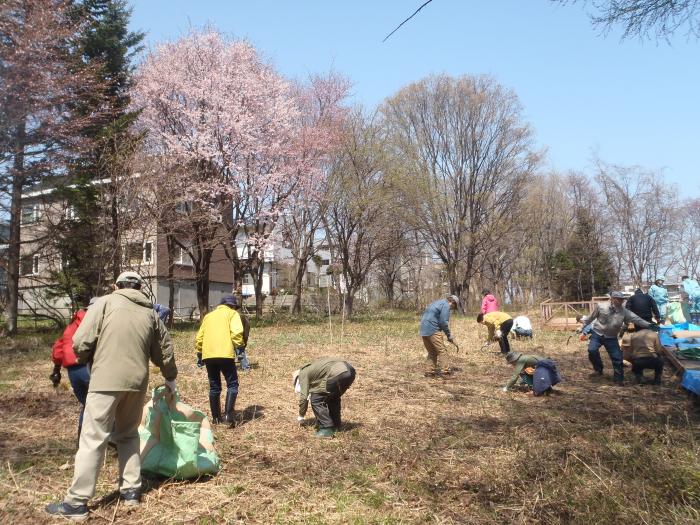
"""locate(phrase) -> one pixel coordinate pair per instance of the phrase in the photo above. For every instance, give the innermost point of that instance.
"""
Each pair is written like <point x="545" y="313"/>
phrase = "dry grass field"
<point x="413" y="449"/>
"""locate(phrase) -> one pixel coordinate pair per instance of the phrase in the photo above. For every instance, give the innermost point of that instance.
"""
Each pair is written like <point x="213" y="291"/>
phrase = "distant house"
<point x="144" y="250"/>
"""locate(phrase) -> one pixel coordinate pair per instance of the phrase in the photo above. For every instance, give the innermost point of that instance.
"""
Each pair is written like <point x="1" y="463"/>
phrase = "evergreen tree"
<point x="89" y="237"/>
<point x="583" y="268"/>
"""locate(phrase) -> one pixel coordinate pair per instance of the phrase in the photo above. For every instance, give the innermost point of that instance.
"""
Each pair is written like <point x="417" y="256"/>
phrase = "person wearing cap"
<point x="524" y="368"/>
<point x="435" y="322"/>
<point x="644" y="306"/>
<point x="119" y="334"/>
<point x="489" y="303"/>
<point x="605" y="323"/>
<point x="62" y="355"/>
<point x="323" y="381"/>
<point x="690" y="299"/>
<point x="659" y="293"/>
<point x="499" y="325"/>
<point x="220" y="333"/>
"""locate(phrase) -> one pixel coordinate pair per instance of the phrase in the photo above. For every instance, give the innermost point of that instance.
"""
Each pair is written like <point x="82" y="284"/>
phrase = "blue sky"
<point x="630" y="102"/>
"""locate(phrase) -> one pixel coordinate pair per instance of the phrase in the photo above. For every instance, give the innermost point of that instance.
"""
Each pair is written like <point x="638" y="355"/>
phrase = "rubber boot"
<point x="215" y="406"/>
<point x="229" y="416"/>
<point x="325" y="433"/>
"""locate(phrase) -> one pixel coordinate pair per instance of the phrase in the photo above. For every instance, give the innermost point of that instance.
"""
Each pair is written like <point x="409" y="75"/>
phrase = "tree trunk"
<point x="203" y="294"/>
<point x="13" y="258"/>
<point x="114" y="215"/>
<point x="259" y="271"/>
<point x="298" y="287"/>
<point x="171" y="278"/>
<point x="349" y="301"/>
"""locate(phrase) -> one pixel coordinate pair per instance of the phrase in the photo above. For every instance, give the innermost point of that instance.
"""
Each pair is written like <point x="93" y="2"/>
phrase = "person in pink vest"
<point x="489" y="303"/>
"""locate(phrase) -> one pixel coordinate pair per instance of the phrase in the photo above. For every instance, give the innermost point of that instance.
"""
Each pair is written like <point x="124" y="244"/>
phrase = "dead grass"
<point x="414" y="450"/>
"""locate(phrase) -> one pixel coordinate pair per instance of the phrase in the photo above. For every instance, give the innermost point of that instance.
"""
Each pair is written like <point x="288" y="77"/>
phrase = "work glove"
<point x="654" y="327"/>
<point x="579" y="329"/>
<point x="300" y="419"/>
<point x="171" y="385"/>
<point x="504" y="389"/>
<point x="200" y="363"/>
<point x="55" y="377"/>
<point x="498" y="334"/>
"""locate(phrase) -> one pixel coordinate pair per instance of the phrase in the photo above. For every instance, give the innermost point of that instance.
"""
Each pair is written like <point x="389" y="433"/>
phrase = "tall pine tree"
<point x="89" y="237"/>
<point x="583" y="269"/>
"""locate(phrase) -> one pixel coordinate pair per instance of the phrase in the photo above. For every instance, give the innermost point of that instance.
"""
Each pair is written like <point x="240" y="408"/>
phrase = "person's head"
<point x="453" y="300"/>
<point x="659" y="280"/>
<point x="512" y="357"/>
<point x="480" y="318"/>
<point x="230" y="301"/>
<point x="129" y="280"/>
<point x="579" y="317"/>
<point x="685" y="278"/>
<point x="485" y="291"/>
<point x="617" y="298"/>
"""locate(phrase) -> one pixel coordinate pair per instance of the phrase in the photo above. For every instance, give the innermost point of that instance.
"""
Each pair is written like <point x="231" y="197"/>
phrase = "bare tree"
<point x="639" y="217"/>
<point x="469" y="156"/>
<point x="360" y="205"/>
<point x="644" y="18"/>
<point x="686" y="238"/>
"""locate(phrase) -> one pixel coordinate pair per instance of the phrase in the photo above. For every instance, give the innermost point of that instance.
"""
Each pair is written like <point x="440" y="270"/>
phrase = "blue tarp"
<point x="691" y="381"/>
<point x="666" y="338"/>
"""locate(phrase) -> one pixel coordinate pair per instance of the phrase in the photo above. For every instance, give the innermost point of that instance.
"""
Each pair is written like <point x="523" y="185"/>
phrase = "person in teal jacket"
<point x="659" y="293"/>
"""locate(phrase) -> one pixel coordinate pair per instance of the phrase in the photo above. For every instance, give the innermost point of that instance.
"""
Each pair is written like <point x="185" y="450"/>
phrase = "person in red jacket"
<point x="489" y="303"/>
<point x="63" y="356"/>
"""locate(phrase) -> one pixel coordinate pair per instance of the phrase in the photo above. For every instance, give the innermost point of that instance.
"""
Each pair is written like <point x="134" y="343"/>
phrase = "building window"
<point x="325" y="262"/>
<point x="133" y="253"/>
<point x="147" y="252"/>
<point x="29" y="264"/>
<point x="247" y="279"/>
<point x="30" y="213"/>
<point x="183" y="258"/>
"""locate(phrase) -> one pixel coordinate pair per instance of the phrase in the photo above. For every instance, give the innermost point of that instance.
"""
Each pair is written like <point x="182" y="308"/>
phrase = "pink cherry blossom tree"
<point x="228" y="124"/>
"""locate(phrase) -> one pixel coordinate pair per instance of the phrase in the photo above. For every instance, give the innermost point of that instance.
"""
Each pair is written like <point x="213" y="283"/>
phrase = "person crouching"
<point x="538" y="373"/>
<point x="324" y="381"/>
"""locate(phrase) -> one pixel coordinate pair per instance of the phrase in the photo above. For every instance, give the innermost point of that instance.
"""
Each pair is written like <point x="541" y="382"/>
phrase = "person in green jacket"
<point x="220" y="333"/>
<point x="118" y="336"/>
<point x="521" y="363"/>
<point x="324" y="381"/>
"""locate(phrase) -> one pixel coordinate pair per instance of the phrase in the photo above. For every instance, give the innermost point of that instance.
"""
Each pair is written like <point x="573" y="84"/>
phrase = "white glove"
<point x="172" y="386"/>
<point x="498" y="334"/>
<point x="300" y="419"/>
<point x="504" y="389"/>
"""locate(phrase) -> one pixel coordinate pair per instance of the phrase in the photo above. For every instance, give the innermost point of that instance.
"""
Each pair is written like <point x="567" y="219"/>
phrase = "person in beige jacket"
<point x="118" y="336"/>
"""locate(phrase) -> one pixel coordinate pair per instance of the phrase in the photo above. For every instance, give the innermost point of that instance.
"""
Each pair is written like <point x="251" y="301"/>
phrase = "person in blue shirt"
<point x="659" y="293"/>
<point x="690" y="299"/>
<point x="435" y="323"/>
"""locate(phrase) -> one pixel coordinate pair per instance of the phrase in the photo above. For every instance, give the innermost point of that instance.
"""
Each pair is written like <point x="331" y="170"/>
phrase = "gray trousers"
<point x="104" y="412"/>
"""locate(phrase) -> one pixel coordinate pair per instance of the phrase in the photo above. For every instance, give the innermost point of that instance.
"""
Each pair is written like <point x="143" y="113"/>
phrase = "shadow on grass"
<point x="249" y="413"/>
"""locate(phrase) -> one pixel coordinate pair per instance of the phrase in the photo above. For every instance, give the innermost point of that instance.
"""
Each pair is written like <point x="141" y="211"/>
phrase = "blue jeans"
<point x="613" y="348"/>
<point x="242" y="358"/>
<point x="79" y="378"/>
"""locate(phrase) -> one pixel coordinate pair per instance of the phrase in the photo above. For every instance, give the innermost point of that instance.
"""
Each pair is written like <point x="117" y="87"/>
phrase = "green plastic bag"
<point x="176" y="440"/>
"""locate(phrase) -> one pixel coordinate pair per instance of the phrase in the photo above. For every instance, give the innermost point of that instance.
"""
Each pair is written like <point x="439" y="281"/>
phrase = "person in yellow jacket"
<point x="499" y="325"/>
<point x="220" y="333"/>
